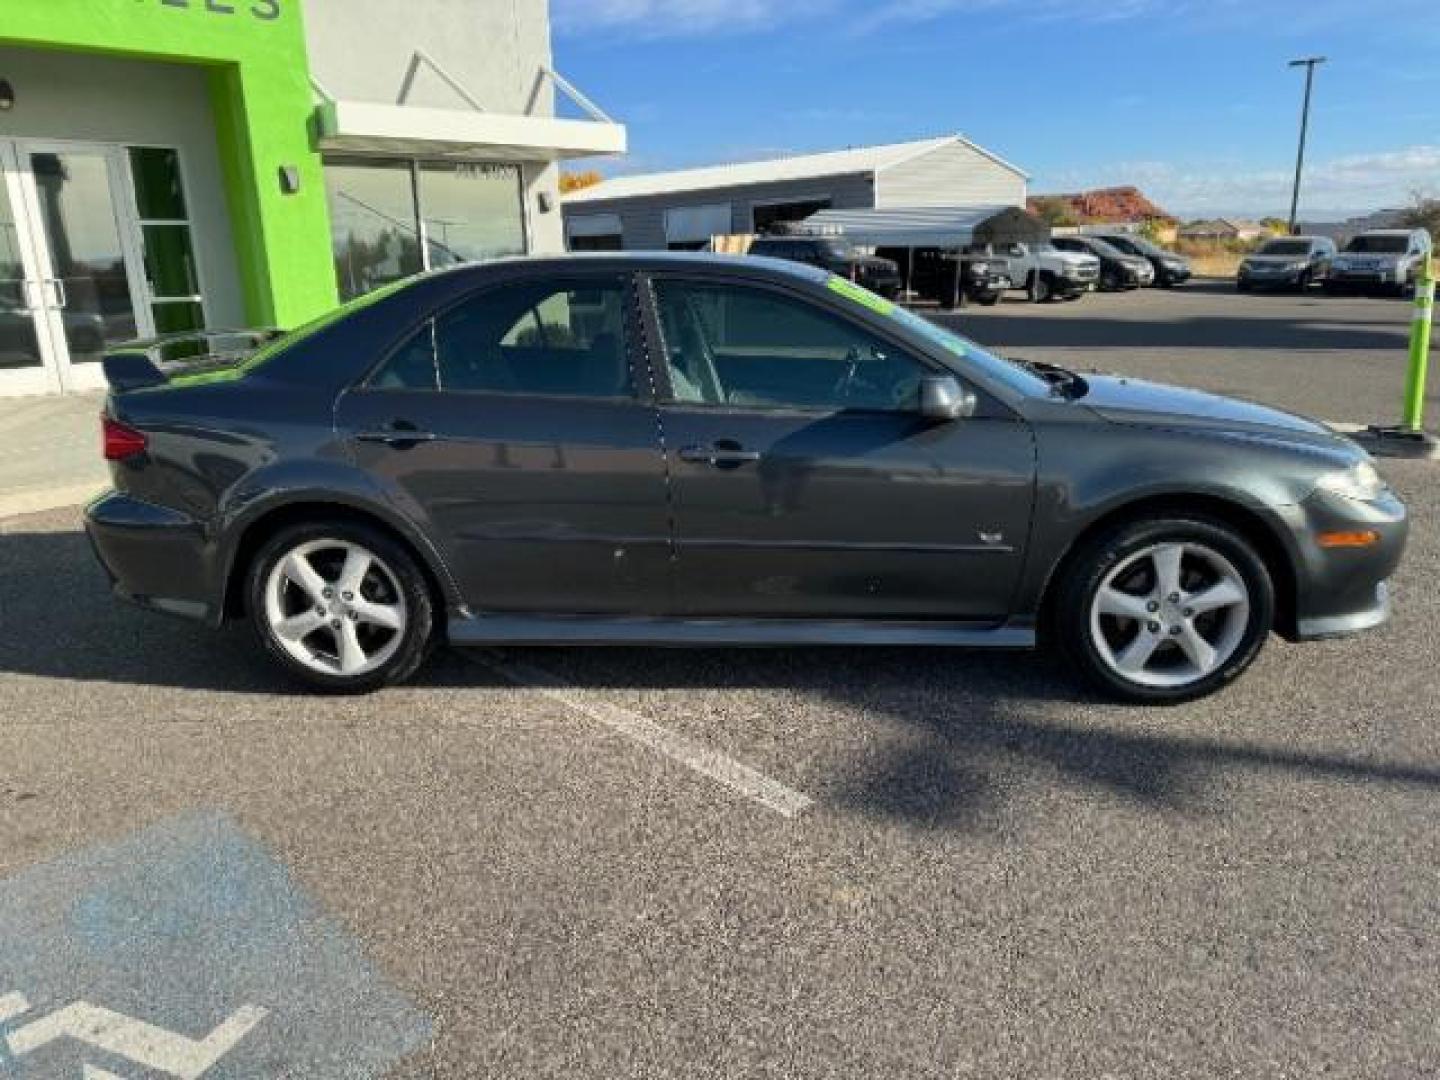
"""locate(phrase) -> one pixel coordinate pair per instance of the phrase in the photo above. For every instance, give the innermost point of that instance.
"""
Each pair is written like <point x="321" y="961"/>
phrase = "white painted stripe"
<point x="135" y="1040"/>
<point x="740" y="778"/>
<point x="12" y="1005"/>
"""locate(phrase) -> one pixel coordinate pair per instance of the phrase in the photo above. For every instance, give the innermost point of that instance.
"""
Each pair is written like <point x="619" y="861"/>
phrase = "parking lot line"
<point x="756" y="786"/>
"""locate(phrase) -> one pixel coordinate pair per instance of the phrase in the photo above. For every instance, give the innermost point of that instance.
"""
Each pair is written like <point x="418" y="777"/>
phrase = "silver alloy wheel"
<point x="1170" y="614"/>
<point x="335" y="607"/>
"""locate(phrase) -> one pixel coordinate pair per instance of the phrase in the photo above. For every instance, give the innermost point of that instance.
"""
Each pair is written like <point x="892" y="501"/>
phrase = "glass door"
<point x="84" y="275"/>
<point x="27" y="365"/>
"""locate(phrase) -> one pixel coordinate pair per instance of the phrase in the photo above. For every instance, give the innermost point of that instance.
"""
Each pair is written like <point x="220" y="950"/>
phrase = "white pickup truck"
<point x="1043" y="270"/>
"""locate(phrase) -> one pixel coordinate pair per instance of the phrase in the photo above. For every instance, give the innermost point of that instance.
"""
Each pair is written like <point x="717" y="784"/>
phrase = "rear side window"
<point x="561" y="339"/>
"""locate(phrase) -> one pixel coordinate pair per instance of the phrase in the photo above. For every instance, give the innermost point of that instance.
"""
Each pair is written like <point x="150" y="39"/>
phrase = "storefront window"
<point x="176" y="302"/>
<point x="470" y="211"/>
<point x="372" y="224"/>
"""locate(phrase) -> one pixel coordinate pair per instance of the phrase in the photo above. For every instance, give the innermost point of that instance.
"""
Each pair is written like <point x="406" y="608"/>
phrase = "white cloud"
<point x="679" y="18"/>
<point x="1353" y="182"/>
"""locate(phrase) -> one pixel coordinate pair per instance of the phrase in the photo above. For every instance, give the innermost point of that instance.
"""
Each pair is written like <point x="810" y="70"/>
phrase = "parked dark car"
<point x="1117" y="269"/>
<point x="1171" y="269"/>
<point x="836" y="255"/>
<point x="1287" y="262"/>
<point x="702" y="450"/>
<point x="936" y="272"/>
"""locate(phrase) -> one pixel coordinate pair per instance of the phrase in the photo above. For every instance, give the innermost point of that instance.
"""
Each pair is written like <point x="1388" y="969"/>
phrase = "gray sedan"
<point x="698" y="450"/>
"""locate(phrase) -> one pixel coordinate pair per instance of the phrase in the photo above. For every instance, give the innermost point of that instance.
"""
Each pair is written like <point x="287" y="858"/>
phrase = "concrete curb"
<point x="1390" y="442"/>
<point x="38" y="500"/>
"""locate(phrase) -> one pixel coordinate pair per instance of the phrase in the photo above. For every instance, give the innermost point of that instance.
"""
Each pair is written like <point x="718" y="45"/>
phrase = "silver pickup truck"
<point x="1043" y="270"/>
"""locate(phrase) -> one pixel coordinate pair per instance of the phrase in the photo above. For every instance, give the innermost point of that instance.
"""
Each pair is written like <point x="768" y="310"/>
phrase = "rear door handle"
<point x="722" y="455"/>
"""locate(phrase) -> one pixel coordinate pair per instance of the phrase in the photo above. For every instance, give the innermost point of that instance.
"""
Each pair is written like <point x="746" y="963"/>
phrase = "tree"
<point x="1055" y="211"/>
<point x="1422" y="213"/>
<point x="575" y="181"/>
<point x="1278" y="226"/>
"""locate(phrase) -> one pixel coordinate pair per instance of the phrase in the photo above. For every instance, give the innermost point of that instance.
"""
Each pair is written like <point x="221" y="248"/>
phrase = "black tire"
<point x="1302" y="283"/>
<point x="1105" y="552"/>
<point x="416" y="636"/>
<point x="1040" y="290"/>
<point x="1242" y="286"/>
<point x="988" y="299"/>
<point x="1110" y="281"/>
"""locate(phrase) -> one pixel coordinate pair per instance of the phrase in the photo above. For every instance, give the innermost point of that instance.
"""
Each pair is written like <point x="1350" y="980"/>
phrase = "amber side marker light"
<point x="1361" y="539"/>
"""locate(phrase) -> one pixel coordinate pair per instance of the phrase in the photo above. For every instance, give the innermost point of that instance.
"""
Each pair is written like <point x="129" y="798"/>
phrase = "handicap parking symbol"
<point x="187" y="951"/>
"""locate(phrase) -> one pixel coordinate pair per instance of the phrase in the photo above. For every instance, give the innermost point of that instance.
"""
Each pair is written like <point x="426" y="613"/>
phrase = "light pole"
<point x="1308" y="63"/>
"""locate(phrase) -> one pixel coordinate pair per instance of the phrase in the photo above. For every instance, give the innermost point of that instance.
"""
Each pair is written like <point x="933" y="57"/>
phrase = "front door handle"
<point x="396" y="433"/>
<point x="725" y="454"/>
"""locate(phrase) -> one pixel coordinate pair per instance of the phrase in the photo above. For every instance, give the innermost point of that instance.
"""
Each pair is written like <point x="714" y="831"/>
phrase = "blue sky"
<point x="1189" y="99"/>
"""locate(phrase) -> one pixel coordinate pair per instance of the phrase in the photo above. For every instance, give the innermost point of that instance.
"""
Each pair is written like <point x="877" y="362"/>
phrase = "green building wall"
<point x="262" y="103"/>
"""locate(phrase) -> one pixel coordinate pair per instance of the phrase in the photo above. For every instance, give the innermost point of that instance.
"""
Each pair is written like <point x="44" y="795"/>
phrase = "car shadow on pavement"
<point x="945" y="733"/>
<point x="58" y="620"/>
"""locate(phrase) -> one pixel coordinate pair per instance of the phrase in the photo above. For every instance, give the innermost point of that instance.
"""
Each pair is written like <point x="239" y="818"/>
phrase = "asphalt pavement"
<point x="784" y="863"/>
<point x="1339" y="358"/>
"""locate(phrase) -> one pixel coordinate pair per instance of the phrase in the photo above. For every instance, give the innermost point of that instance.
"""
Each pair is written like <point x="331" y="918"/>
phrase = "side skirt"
<point x="682" y="632"/>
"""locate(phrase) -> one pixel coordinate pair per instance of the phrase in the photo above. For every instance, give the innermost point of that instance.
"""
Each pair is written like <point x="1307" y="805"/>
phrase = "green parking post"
<point x="1420" y="348"/>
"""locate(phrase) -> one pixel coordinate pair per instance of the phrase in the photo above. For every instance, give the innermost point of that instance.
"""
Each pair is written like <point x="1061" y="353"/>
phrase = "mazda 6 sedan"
<point x="658" y="449"/>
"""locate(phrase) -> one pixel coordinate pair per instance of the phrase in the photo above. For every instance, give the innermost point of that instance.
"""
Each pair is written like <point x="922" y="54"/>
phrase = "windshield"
<point x="1387" y="245"/>
<point x="1285" y="247"/>
<point x="1100" y="247"/>
<point x="990" y="365"/>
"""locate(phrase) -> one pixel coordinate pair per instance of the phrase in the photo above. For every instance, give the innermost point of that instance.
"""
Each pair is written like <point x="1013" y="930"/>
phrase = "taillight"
<point x="121" y="440"/>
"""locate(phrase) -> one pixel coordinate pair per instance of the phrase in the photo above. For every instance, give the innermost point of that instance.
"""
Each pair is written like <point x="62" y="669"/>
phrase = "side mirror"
<point x="943" y="397"/>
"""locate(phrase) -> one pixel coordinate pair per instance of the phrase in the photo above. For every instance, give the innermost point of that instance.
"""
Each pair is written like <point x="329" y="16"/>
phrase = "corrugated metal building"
<point x="685" y="209"/>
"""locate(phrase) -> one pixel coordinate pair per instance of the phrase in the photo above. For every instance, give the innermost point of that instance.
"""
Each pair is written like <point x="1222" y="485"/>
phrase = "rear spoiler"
<point x="136" y="365"/>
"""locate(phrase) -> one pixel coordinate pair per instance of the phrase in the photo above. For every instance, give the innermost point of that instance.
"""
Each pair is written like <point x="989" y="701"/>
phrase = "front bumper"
<point x="1271" y="279"/>
<point x="1362" y="279"/>
<point x="1341" y="591"/>
<point x="1166" y="275"/>
<point x="154" y="556"/>
<point x="1070" y="284"/>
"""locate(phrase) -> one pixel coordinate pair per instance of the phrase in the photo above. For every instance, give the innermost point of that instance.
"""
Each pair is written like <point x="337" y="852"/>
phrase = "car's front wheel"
<point x="341" y="606"/>
<point x="1040" y="288"/>
<point x="1165" y="611"/>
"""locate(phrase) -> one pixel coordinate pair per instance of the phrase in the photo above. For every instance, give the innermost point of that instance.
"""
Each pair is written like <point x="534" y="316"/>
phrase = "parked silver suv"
<point x="1381" y="260"/>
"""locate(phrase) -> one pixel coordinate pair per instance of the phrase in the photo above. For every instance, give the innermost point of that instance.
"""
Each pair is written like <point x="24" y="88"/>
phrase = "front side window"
<point x="547" y="338"/>
<point x="752" y="348"/>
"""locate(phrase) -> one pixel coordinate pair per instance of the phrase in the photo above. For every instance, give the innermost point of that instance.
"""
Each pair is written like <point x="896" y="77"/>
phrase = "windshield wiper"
<point x="1068" y="384"/>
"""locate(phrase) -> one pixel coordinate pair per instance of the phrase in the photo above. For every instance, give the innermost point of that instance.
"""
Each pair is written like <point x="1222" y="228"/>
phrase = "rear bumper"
<point x="1341" y="591"/>
<point x="154" y="556"/>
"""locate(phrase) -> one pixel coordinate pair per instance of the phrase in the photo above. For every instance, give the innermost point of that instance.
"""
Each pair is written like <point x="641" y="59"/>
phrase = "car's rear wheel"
<point x="1165" y="611"/>
<point x="340" y="606"/>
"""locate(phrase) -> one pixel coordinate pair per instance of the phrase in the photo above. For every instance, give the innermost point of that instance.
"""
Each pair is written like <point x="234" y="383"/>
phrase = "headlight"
<point x="1360" y="482"/>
